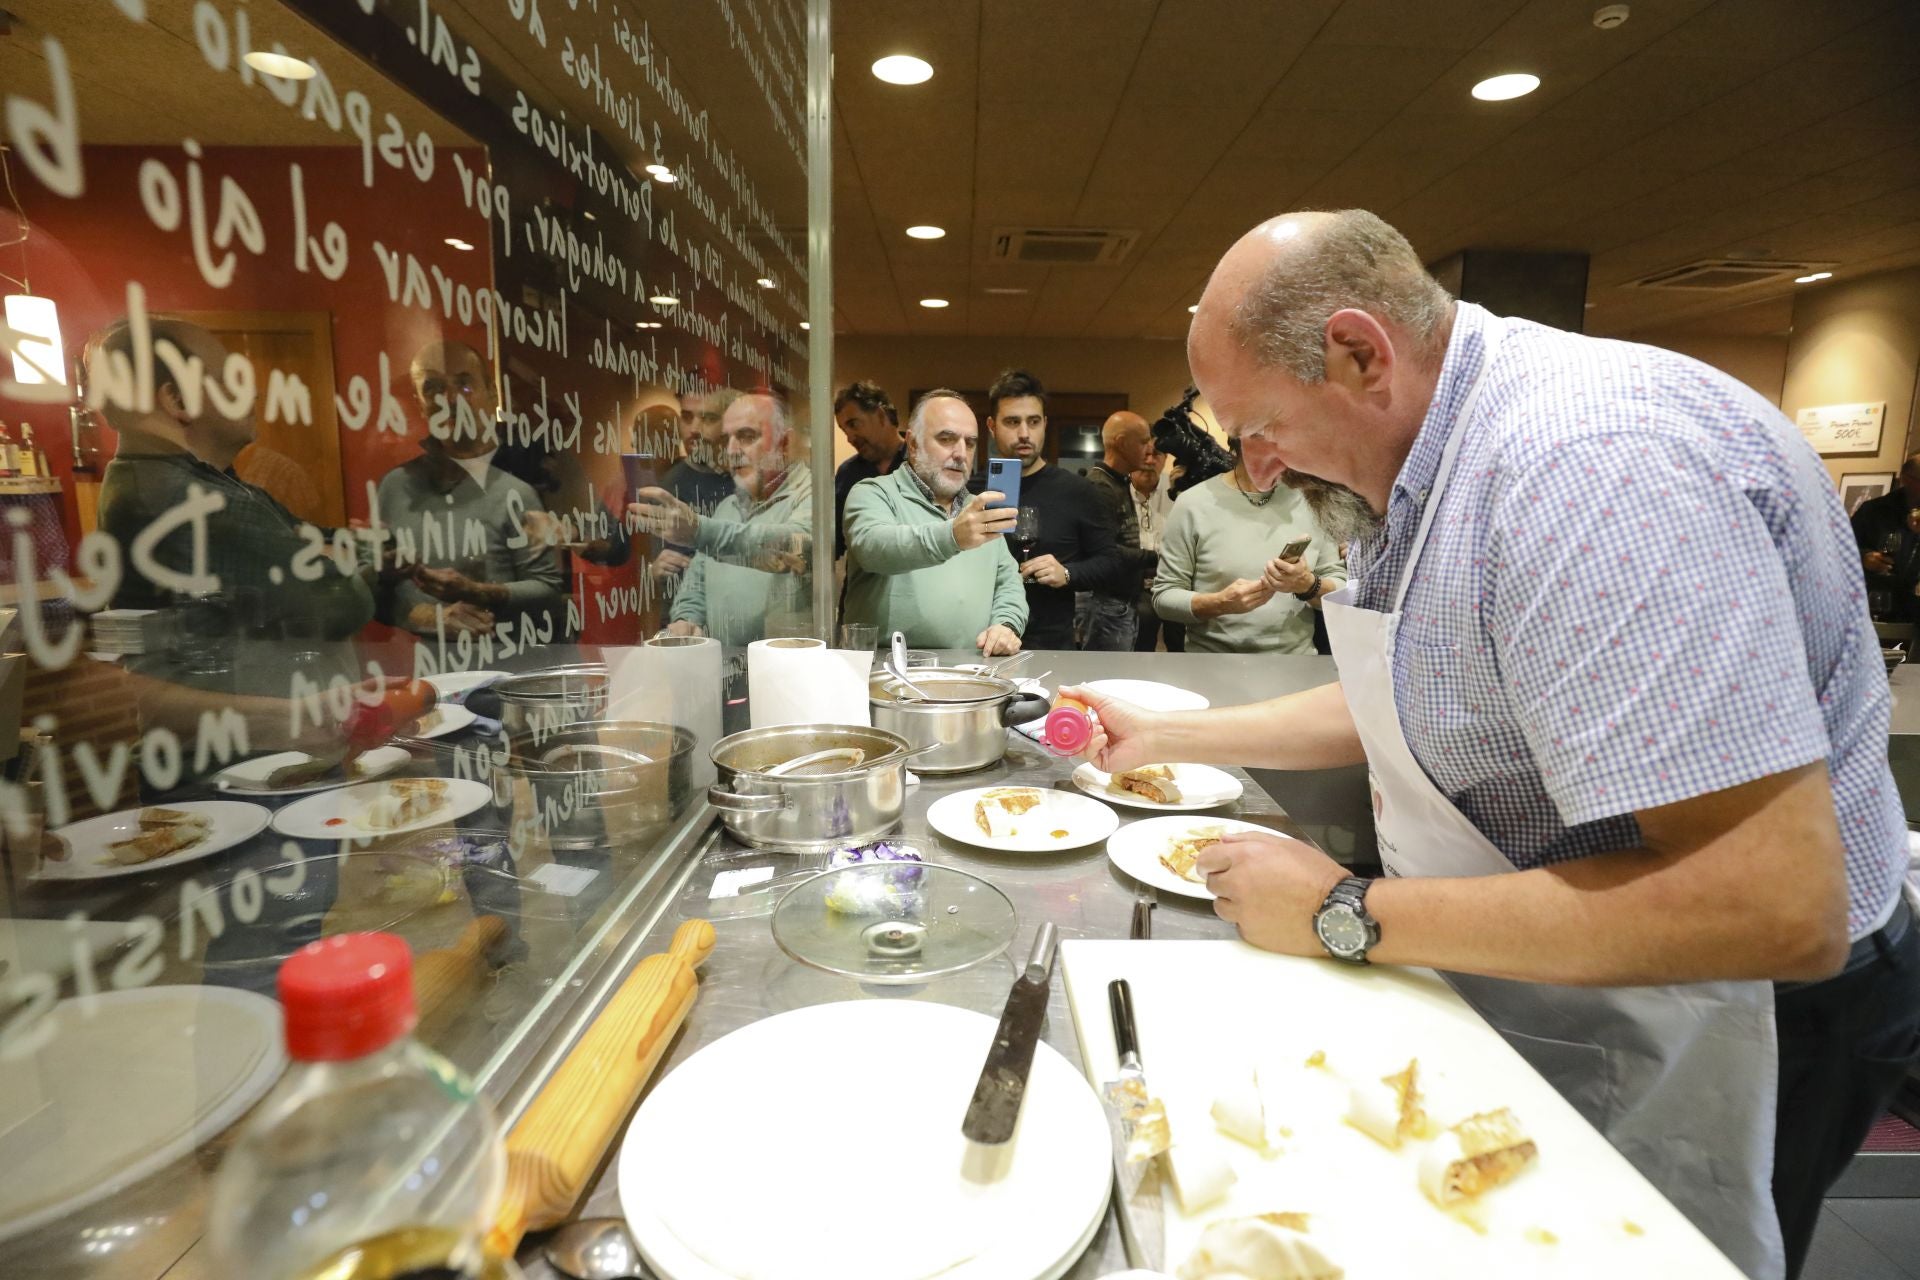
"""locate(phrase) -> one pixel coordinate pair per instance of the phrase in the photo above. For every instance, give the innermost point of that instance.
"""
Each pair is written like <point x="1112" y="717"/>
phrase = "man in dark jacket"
<point x="1111" y="622"/>
<point x="1887" y="546"/>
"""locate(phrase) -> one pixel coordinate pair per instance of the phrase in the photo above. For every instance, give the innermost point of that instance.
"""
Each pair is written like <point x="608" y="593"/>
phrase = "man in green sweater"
<point x="924" y="560"/>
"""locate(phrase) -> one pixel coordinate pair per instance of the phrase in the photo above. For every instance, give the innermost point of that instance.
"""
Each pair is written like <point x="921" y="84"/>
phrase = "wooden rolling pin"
<point x="445" y="972"/>
<point x="559" y="1141"/>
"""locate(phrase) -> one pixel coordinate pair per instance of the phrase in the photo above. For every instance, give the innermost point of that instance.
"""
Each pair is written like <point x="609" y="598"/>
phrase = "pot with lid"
<point x="962" y="720"/>
<point x="809" y="788"/>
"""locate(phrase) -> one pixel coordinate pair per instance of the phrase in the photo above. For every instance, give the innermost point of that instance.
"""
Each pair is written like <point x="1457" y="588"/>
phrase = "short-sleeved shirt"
<point x="1640" y="587"/>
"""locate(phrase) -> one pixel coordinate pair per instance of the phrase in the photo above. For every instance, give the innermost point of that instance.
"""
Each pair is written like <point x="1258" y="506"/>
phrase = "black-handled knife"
<point x="995" y="1108"/>
<point x="1126" y="1038"/>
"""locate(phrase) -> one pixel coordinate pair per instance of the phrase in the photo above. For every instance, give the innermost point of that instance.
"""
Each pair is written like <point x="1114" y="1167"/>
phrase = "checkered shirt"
<point x="1639" y="587"/>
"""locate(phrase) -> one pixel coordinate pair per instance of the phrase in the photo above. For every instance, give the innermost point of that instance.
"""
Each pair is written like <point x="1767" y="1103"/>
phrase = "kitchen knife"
<point x="1144" y="901"/>
<point x="1139" y="1128"/>
<point x="1003" y="1081"/>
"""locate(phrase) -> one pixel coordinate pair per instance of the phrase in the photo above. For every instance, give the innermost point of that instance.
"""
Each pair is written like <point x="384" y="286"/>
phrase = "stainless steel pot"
<point x="964" y="720"/>
<point x="603" y="782"/>
<point x="541" y="703"/>
<point x="808" y="811"/>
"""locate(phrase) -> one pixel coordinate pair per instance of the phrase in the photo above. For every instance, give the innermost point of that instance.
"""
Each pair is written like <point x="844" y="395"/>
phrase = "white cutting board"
<point x="1209" y="1012"/>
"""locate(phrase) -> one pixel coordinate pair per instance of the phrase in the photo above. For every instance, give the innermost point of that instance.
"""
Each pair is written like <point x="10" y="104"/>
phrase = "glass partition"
<point x="406" y="428"/>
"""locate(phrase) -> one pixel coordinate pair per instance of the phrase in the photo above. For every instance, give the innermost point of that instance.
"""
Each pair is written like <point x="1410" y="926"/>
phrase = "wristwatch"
<point x="1306" y="597"/>
<point x="1343" y="925"/>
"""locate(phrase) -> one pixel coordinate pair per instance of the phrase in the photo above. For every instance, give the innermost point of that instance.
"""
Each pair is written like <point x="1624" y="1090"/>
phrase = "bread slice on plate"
<point x="997" y="813"/>
<point x="1183" y="855"/>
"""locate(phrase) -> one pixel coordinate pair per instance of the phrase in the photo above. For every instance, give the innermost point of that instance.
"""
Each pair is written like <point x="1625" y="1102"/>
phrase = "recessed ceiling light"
<point x="933" y="304"/>
<point x="926" y="232"/>
<point x="805" y="325"/>
<point x="1515" y="84"/>
<point x="903" y="68"/>
<point x="279" y="65"/>
<point x="458" y="243"/>
<point x="1194" y="308"/>
<point x="587" y="214"/>
<point x="647" y="324"/>
<point x="659" y="170"/>
<point x="1818" y="275"/>
<point x="664" y="300"/>
<point x="765" y="282"/>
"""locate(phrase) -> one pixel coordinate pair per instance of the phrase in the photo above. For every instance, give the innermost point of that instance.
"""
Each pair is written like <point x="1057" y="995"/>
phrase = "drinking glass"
<point x="1026" y="531"/>
<point x="861" y="637"/>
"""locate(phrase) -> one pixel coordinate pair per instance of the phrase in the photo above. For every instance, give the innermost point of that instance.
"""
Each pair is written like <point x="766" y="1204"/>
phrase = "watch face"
<point x="1342" y="931"/>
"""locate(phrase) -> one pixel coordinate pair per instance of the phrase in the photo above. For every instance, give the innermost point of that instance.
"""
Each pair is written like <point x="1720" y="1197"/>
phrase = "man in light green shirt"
<point x="751" y="573"/>
<point x="921" y="558"/>
<point x="1218" y="573"/>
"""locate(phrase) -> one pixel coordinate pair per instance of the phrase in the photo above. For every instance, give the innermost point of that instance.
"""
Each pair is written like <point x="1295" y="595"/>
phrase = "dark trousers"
<point x="1845" y="1046"/>
<point x="1152" y="626"/>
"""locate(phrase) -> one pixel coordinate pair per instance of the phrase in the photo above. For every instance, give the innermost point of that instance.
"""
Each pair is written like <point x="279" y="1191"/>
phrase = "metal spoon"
<point x="595" y="1249"/>
<point x="898" y="667"/>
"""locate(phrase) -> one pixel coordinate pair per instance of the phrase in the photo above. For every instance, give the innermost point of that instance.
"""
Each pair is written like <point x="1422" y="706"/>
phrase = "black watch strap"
<point x="1306" y="597"/>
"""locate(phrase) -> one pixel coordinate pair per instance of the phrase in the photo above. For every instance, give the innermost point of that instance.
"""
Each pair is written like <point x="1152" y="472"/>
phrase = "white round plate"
<point x="341" y="814"/>
<point x="457" y="684"/>
<point x="1084" y="821"/>
<point x="1201" y="787"/>
<point x="1151" y="694"/>
<point x="1136" y="850"/>
<point x="249" y="777"/>
<point x="233" y="822"/>
<point x="441" y="721"/>
<point x="722" y="1177"/>
<point x="203" y="1054"/>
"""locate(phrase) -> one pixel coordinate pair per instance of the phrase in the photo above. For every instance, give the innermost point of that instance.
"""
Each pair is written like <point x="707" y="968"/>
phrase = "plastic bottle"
<point x="372" y="1159"/>
<point x="29" y="459"/>
<point x="1069" y="726"/>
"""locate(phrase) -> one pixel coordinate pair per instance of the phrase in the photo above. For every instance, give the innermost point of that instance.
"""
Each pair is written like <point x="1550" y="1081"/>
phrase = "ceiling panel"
<point x="1700" y="127"/>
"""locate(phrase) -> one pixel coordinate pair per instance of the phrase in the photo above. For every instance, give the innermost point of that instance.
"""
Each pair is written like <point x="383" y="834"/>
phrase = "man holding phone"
<point x="1240" y="567"/>
<point x="926" y="558"/>
<point x="1076" y="546"/>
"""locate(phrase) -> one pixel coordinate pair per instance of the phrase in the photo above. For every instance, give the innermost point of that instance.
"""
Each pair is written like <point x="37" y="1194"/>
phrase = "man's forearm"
<point x="1765" y="900"/>
<point x="1312" y="729"/>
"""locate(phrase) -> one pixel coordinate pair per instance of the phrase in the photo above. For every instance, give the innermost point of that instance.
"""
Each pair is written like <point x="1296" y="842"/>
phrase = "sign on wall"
<point x="1843" y="428"/>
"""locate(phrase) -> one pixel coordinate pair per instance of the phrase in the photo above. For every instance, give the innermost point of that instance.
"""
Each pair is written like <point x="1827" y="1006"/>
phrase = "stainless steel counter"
<point x="748" y="978"/>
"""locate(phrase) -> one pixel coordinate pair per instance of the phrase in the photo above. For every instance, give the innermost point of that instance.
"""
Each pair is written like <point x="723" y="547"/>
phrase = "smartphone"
<point x="1295" y="549"/>
<point x="1003" y="476"/>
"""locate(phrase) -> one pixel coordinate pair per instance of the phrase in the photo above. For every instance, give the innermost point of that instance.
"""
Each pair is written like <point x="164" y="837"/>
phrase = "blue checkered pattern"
<point x="1639" y="587"/>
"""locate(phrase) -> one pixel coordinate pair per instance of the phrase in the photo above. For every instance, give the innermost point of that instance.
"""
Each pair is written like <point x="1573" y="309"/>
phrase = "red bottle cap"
<point x="1068" y="730"/>
<point x="346" y="996"/>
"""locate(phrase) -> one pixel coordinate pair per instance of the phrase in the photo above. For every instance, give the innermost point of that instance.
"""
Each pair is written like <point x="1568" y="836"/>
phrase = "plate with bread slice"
<point x="132" y="841"/>
<point x="1022" y="819"/>
<point x="1164" y="852"/>
<point x="1170" y="788"/>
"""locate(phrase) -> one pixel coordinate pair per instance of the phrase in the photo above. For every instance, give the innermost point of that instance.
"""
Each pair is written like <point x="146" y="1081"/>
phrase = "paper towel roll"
<point x="671" y="680"/>
<point x="794" y="680"/>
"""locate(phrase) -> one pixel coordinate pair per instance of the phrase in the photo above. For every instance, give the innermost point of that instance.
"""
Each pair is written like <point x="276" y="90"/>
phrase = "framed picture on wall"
<point x="1858" y="486"/>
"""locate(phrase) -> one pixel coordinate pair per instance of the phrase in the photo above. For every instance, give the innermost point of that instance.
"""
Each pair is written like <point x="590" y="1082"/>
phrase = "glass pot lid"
<point x="894" y="922"/>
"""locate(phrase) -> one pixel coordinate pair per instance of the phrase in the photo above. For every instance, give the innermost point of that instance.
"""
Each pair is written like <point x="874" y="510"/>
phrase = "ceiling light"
<point x="926" y="232"/>
<point x="805" y="325"/>
<point x="1515" y="84"/>
<point x="765" y="282"/>
<point x="279" y="65"/>
<point x="1818" y="275"/>
<point x="646" y="324"/>
<point x="933" y="304"/>
<point x="587" y="214"/>
<point x="1192" y="309"/>
<point x="903" y="68"/>
<point x="458" y="243"/>
<point x="664" y="300"/>
<point x="658" y="170"/>
<point x="38" y="357"/>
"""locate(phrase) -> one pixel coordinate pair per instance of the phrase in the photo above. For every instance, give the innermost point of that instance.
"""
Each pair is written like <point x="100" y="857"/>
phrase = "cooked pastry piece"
<point x="1155" y="783"/>
<point x="163" y="832"/>
<point x="1201" y="1175"/>
<point x="1475" y="1156"/>
<point x="405" y="801"/>
<point x="1388" y="1112"/>
<point x="1271" y="1246"/>
<point x="997" y="811"/>
<point x="1181" y="857"/>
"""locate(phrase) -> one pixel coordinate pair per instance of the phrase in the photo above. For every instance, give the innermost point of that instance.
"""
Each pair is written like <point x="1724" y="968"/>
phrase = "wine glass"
<point x="1026" y="532"/>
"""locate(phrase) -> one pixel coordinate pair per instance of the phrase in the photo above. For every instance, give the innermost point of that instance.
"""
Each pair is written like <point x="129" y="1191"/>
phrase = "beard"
<point x="1341" y="513"/>
<point x="946" y="483"/>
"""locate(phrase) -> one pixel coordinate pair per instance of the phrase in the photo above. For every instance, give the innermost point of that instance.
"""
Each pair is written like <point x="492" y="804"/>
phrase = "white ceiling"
<point x="1770" y="128"/>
